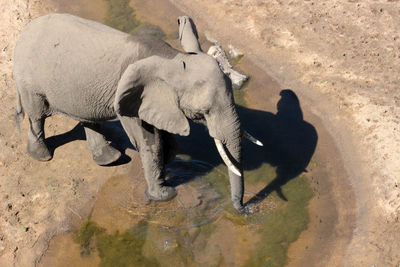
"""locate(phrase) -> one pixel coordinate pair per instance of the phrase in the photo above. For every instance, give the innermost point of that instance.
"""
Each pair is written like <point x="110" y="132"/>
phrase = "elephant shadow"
<point x="289" y="143"/>
<point x="113" y="132"/>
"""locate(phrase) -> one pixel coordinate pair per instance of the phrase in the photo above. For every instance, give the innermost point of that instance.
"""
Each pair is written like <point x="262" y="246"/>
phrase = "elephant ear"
<point x="142" y="94"/>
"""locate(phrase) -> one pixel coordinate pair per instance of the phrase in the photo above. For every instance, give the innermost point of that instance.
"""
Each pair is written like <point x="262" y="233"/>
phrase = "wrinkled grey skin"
<point x="93" y="73"/>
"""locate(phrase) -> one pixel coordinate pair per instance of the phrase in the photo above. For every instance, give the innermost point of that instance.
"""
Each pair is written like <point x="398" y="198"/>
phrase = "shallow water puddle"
<point x="199" y="227"/>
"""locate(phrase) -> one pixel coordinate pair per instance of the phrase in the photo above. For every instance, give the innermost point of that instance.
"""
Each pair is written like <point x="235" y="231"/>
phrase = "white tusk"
<point x="225" y="158"/>
<point x="252" y="139"/>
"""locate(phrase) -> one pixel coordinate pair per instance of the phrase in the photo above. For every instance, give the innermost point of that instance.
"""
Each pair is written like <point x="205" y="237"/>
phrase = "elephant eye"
<point x="184" y="64"/>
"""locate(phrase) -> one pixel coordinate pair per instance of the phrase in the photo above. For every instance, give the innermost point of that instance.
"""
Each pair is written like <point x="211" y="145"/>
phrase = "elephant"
<point x="64" y="64"/>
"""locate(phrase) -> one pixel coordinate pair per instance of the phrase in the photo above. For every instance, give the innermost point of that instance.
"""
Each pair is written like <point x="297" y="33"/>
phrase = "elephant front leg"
<point x="149" y="142"/>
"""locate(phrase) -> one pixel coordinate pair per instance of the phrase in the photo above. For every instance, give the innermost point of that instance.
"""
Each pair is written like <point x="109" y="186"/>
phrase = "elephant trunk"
<point x="224" y="125"/>
<point x="234" y="148"/>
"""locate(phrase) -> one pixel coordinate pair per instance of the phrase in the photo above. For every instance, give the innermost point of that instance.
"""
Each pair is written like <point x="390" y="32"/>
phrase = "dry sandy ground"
<point x="341" y="59"/>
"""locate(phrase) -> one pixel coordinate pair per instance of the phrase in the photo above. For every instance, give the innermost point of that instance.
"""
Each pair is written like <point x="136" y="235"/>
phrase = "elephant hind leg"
<point x="102" y="152"/>
<point x="37" y="109"/>
<point x="36" y="145"/>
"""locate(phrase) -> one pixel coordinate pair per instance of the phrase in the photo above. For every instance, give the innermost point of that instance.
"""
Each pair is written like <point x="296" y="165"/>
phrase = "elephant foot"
<point x="247" y="209"/>
<point x="39" y="151"/>
<point x="162" y="193"/>
<point x="107" y="155"/>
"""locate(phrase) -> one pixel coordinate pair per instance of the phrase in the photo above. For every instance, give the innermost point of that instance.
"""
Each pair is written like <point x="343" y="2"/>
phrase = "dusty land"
<point x="341" y="59"/>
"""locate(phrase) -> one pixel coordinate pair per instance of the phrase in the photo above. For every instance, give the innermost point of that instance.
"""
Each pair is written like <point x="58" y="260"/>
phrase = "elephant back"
<point x="67" y="47"/>
<point x="75" y="63"/>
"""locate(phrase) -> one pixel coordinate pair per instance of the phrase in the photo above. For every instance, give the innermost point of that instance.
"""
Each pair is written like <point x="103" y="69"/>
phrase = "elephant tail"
<point x="19" y="113"/>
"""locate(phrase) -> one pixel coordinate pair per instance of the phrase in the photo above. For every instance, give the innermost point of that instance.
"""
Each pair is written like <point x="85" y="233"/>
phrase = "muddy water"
<point x="199" y="227"/>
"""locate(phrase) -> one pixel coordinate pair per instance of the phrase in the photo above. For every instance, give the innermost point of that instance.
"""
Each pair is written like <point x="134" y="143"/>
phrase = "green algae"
<point x="125" y="249"/>
<point x="85" y="236"/>
<point x="118" y="249"/>
<point x="239" y="95"/>
<point x="218" y="180"/>
<point x="263" y="174"/>
<point x="121" y="16"/>
<point x="281" y="227"/>
<point x="144" y="244"/>
<point x="277" y="228"/>
<point x="169" y="246"/>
